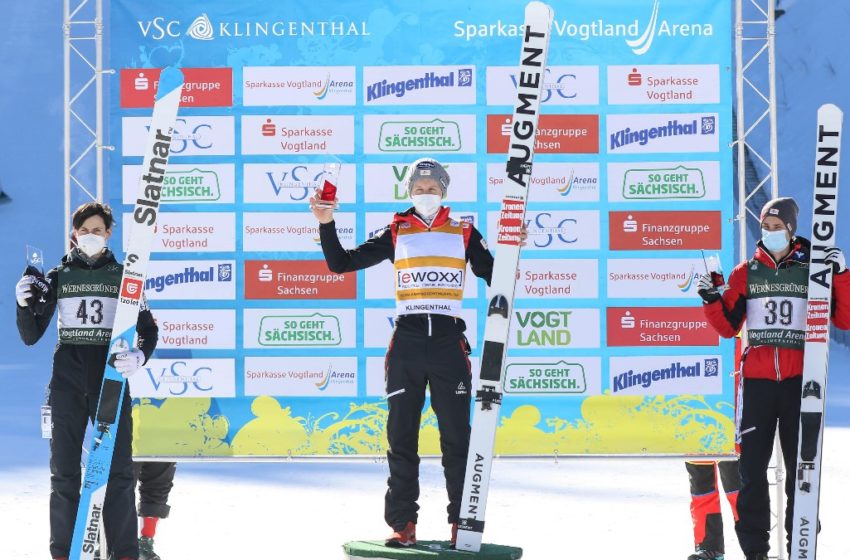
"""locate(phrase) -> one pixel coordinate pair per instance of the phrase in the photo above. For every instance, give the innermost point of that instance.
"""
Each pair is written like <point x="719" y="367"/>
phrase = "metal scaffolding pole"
<point x="755" y="56"/>
<point x="82" y="26"/>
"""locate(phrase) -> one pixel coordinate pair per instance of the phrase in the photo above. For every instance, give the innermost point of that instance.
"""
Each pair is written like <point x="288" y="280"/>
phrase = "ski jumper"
<point x="428" y="346"/>
<point x="771" y="297"/>
<point x="86" y="296"/>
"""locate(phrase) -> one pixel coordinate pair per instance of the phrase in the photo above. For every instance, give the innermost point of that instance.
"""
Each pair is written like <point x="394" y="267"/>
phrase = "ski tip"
<point x="170" y="79"/>
<point x="831" y="108"/>
<point x="539" y="7"/>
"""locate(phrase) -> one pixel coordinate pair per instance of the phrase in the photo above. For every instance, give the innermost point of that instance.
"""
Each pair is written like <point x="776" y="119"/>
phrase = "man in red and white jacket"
<point x="769" y="292"/>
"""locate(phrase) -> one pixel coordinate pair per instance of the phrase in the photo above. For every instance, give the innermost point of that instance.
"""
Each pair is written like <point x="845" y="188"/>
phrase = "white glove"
<point x="835" y="257"/>
<point x="129" y="362"/>
<point x="23" y="290"/>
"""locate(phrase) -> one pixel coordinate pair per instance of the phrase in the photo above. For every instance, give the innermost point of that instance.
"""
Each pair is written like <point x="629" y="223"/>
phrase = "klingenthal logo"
<point x="709" y="367"/>
<point x="427" y="80"/>
<point x="201" y="28"/>
<point x="189" y="275"/>
<point x="673" y="127"/>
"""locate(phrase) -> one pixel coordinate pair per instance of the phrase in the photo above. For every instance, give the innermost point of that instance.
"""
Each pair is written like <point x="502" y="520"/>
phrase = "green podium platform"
<point x="427" y="550"/>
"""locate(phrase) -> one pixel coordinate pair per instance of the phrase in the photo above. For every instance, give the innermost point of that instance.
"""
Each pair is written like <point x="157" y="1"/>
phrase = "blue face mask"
<point x="774" y="241"/>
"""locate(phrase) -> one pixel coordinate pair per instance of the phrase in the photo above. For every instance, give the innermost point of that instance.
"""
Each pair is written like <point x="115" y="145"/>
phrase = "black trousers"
<point x="426" y="350"/>
<point x="71" y="412"/>
<point x="156" y="479"/>
<point x="766" y="403"/>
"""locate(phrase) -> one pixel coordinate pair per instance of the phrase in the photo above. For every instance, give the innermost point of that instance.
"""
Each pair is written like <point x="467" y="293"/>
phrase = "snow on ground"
<point x="572" y="508"/>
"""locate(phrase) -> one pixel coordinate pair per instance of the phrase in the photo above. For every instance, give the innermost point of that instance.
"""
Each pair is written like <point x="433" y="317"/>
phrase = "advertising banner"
<point x="265" y="352"/>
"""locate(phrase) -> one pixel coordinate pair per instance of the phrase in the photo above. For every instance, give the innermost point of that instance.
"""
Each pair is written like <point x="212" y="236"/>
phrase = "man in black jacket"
<point x="429" y="251"/>
<point x="84" y="288"/>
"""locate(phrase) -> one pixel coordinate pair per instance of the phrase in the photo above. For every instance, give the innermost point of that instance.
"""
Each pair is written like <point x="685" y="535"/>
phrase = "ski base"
<point x="130" y="295"/>
<point x="488" y="399"/>
<point x="816" y="355"/>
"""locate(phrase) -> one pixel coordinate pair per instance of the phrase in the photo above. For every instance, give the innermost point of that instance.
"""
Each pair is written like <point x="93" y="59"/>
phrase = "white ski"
<point x="488" y="399"/>
<point x="157" y="148"/>
<point x="816" y="357"/>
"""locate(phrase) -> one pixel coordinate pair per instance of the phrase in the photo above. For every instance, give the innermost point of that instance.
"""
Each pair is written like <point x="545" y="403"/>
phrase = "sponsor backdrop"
<point x="265" y="352"/>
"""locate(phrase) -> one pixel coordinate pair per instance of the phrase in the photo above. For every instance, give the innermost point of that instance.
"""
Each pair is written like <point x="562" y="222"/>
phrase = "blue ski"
<point x="90" y="511"/>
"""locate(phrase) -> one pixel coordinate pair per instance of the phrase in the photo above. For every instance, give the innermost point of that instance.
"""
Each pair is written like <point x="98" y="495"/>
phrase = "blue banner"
<point x="264" y="352"/>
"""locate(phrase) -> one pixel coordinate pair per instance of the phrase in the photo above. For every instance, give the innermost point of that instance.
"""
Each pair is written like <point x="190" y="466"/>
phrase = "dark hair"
<point x="89" y="209"/>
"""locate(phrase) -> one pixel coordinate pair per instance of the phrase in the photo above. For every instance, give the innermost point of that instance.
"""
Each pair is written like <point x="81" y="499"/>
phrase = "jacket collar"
<point x="800" y="251"/>
<point x="73" y="258"/>
<point x="411" y="217"/>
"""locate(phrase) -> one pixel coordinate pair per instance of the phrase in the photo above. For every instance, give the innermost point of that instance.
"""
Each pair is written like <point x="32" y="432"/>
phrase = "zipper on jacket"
<point x="776" y="363"/>
<point x="424" y="223"/>
<point x="429" y="324"/>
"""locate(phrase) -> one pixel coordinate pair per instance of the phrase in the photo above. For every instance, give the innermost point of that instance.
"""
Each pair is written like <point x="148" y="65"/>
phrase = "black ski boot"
<point x="146" y="549"/>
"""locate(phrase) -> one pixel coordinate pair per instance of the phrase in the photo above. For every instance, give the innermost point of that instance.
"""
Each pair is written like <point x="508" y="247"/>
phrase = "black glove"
<point x="38" y="289"/>
<point x="707" y="288"/>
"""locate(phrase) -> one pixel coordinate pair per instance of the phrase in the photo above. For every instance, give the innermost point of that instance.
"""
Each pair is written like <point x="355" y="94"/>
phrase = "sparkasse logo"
<point x="660" y="84"/>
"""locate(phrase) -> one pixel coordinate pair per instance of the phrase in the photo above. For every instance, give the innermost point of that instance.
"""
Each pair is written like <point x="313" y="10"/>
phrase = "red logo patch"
<point x="132" y="289"/>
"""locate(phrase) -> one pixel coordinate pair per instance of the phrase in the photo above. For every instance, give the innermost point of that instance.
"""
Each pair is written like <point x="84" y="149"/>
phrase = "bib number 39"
<point x="781" y="311"/>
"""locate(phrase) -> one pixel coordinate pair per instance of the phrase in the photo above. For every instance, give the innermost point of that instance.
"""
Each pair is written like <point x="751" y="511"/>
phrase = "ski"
<point x="816" y="357"/>
<point x="90" y="510"/>
<point x="488" y="398"/>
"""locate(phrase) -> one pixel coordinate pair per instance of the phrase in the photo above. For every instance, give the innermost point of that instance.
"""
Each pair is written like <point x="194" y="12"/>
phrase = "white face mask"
<point x="426" y="204"/>
<point x="775" y="241"/>
<point x="91" y="244"/>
